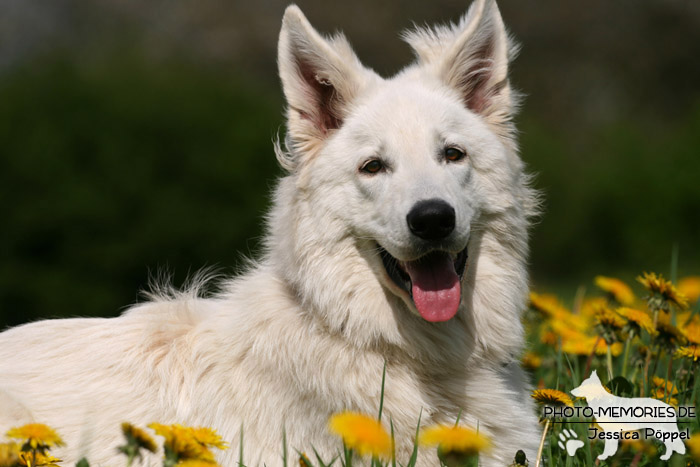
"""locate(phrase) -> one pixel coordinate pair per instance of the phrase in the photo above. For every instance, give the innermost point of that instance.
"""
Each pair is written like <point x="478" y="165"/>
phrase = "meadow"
<point x="110" y="128"/>
<point x="642" y="341"/>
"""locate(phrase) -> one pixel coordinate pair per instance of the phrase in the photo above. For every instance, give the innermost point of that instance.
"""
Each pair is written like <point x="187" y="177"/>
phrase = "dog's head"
<point x="412" y="166"/>
<point x="590" y="388"/>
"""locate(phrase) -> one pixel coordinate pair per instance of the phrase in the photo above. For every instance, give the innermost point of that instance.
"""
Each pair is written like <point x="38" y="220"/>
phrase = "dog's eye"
<point x="372" y="166"/>
<point x="454" y="154"/>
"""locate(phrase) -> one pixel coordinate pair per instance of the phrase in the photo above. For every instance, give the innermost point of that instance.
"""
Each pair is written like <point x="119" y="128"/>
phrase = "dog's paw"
<point x="572" y="444"/>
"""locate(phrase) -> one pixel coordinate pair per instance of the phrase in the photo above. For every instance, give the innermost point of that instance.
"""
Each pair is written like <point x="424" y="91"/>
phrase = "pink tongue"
<point x="436" y="288"/>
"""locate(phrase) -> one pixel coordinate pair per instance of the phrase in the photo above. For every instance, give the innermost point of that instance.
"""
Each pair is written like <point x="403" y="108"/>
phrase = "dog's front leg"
<point x="498" y="399"/>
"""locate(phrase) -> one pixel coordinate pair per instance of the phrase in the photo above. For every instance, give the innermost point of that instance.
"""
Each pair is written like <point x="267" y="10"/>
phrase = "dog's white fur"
<point x="305" y="332"/>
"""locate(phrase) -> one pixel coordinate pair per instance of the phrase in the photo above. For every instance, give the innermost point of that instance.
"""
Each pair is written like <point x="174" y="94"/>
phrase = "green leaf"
<point x="620" y="385"/>
<point x="414" y="455"/>
<point x="240" y="452"/>
<point x="393" y="444"/>
<point x="381" y="396"/>
<point x="284" y="447"/>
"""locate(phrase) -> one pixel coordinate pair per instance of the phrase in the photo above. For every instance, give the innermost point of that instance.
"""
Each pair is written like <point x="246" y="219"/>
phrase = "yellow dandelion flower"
<point x="602" y="348"/>
<point x="209" y="438"/>
<point x="531" y="360"/>
<point x="609" y="319"/>
<point x="690" y="287"/>
<point x="566" y="328"/>
<point x="577" y="344"/>
<point x="583" y="345"/>
<point x="544" y="303"/>
<point x="548" y="305"/>
<point x="552" y="397"/>
<point x="454" y="439"/>
<point x="692" y="352"/>
<point x="197" y="463"/>
<point x="692" y="331"/>
<point x="609" y="324"/>
<point x="659" y="285"/>
<point x="638" y="319"/>
<point x="9" y="454"/>
<point x="139" y="437"/>
<point x="37" y="435"/>
<point x="181" y="443"/>
<point x="361" y="433"/>
<point x="616" y="349"/>
<point x="37" y="459"/>
<point x="684" y="317"/>
<point x="664" y="390"/>
<point x="694" y="447"/>
<point x="659" y="394"/>
<point x="548" y="337"/>
<point x="166" y="431"/>
<point x="615" y="287"/>
<point x="664" y="385"/>
<point x="579" y="322"/>
<point x="667" y="333"/>
<point x="591" y="304"/>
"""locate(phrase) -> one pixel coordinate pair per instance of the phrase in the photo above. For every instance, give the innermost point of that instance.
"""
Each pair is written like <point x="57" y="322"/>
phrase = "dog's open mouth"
<point x="432" y="281"/>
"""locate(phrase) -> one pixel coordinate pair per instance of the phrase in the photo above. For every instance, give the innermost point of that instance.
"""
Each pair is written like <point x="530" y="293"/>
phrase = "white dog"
<point x="399" y="235"/>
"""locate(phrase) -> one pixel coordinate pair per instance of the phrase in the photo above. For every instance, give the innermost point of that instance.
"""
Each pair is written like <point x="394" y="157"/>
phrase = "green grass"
<point x="551" y="327"/>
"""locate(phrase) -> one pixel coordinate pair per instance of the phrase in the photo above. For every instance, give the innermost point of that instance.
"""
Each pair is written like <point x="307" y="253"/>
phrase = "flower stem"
<point x="348" y="456"/>
<point x="645" y="374"/>
<point x="541" y="448"/>
<point x="656" y="360"/>
<point x="609" y="361"/>
<point x="669" y="392"/>
<point x="685" y="379"/>
<point x="633" y="378"/>
<point x="590" y="358"/>
<point x="628" y="344"/>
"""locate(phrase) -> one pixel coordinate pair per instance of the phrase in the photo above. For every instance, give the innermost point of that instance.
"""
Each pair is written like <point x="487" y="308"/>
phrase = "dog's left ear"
<point x="472" y="57"/>
<point x="320" y="77"/>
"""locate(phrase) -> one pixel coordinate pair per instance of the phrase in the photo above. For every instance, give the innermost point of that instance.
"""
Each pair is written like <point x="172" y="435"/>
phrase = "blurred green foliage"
<point x="618" y="198"/>
<point x="116" y="168"/>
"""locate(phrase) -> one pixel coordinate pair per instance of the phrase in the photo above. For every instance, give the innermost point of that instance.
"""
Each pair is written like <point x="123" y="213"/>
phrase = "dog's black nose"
<point x="431" y="219"/>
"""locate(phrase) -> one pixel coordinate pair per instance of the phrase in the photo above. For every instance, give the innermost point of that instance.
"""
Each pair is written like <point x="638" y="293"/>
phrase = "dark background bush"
<point x="136" y="136"/>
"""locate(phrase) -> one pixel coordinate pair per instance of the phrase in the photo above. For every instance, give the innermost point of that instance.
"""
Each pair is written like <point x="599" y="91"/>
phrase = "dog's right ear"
<point x="320" y="78"/>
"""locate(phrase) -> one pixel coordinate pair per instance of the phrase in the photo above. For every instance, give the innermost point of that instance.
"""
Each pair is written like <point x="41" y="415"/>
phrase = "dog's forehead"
<point x="408" y="110"/>
<point x="411" y="99"/>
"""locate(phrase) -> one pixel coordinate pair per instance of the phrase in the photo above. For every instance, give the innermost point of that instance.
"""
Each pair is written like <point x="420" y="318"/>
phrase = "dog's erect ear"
<point x="471" y="57"/>
<point x="320" y="78"/>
